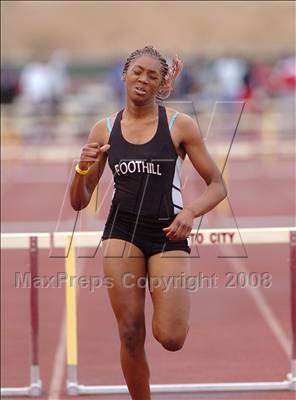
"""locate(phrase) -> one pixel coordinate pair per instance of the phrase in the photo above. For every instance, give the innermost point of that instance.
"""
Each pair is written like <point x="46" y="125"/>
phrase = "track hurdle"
<point x="90" y="240"/>
<point x="35" y="387"/>
<point x="205" y="237"/>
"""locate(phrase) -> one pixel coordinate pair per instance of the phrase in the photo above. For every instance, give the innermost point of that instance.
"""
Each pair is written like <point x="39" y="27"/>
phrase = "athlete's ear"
<point x="123" y="76"/>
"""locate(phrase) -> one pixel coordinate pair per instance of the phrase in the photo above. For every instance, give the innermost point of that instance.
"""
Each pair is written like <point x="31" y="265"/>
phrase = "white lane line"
<point x="59" y="363"/>
<point x="256" y="294"/>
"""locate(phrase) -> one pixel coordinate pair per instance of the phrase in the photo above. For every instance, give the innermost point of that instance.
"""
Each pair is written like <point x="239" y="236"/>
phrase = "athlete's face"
<point x="143" y="79"/>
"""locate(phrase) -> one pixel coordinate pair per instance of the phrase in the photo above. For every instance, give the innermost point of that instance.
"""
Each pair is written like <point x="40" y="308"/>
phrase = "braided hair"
<point x="166" y="85"/>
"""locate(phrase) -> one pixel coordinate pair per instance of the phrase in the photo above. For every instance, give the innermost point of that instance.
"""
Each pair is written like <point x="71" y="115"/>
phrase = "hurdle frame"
<point x="248" y="236"/>
<point x="61" y="240"/>
<point x="35" y="387"/>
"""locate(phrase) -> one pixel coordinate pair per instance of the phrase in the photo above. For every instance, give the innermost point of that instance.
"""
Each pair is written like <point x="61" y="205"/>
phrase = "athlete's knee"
<point x="170" y="339"/>
<point x="132" y="335"/>
<point x="173" y="343"/>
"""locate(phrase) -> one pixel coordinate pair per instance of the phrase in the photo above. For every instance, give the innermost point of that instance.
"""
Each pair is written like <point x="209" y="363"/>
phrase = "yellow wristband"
<point x="81" y="171"/>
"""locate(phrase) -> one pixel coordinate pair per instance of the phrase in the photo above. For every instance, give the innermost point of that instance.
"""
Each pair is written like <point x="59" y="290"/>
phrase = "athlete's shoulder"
<point x="186" y="128"/>
<point x="99" y="132"/>
<point x="170" y="112"/>
<point x="113" y="115"/>
<point x="183" y="120"/>
<point x="103" y="121"/>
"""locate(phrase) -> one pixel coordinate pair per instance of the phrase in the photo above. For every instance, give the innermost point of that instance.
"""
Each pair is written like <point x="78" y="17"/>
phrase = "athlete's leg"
<point x="124" y="263"/>
<point x="171" y="300"/>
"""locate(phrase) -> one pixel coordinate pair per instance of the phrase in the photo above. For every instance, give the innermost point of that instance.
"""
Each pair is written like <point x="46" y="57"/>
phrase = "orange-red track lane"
<point x="229" y="338"/>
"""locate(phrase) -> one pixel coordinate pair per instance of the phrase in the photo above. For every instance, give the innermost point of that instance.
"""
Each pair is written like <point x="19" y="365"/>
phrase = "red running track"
<point x="229" y="340"/>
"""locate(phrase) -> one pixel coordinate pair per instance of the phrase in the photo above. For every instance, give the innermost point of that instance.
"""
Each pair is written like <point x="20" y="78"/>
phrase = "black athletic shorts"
<point x="146" y="233"/>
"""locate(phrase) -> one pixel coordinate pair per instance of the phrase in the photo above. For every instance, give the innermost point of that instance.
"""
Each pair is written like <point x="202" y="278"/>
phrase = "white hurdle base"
<point x="29" y="391"/>
<point x="76" y="390"/>
<point x="15" y="391"/>
<point x="34" y="390"/>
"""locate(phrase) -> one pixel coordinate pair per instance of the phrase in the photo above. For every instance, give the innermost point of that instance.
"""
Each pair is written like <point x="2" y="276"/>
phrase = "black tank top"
<point x="146" y="176"/>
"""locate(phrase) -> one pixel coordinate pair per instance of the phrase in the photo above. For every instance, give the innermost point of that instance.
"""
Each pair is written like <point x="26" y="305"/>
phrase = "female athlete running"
<point x="146" y="231"/>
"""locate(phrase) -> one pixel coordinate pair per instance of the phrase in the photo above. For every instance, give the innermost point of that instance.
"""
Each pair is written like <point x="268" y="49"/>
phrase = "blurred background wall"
<point x="66" y="57"/>
<point x="107" y="29"/>
<point x="61" y="62"/>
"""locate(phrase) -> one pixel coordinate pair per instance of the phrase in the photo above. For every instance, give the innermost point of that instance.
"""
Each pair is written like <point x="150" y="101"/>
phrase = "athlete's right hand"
<point x="91" y="153"/>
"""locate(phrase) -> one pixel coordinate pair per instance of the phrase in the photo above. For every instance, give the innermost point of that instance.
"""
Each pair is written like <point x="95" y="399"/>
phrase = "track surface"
<point x="230" y="339"/>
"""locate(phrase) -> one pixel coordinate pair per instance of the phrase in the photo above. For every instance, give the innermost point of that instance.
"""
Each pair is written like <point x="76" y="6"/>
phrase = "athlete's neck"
<point x="134" y="111"/>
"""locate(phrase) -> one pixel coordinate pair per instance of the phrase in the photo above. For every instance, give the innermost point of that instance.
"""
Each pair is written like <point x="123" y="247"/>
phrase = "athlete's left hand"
<point x="181" y="227"/>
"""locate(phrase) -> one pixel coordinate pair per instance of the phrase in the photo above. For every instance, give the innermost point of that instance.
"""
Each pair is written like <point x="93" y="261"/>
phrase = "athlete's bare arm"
<point x="192" y="142"/>
<point x="93" y="156"/>
<point x="187" y="139"/>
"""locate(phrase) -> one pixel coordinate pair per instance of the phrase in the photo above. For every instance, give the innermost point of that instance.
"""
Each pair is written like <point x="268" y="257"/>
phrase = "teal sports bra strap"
<point x="173" y="120"/>
<point x="109" y="125"/>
